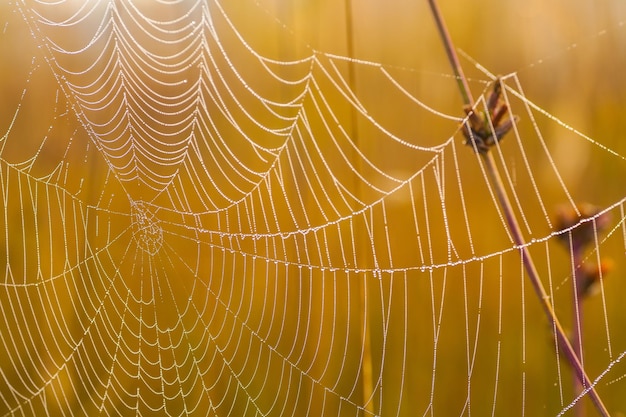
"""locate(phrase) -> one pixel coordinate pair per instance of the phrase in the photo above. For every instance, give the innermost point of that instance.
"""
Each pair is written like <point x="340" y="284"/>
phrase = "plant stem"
<point x="466" y="93"/>
<point x="577" y="255"/>
<point x="543" y="297"/>
<point x="367" y="384"/>
<point x="513" y="225"/>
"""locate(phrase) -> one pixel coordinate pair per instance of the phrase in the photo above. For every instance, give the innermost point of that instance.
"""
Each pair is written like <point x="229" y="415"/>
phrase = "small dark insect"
<point x="482" y="131"/>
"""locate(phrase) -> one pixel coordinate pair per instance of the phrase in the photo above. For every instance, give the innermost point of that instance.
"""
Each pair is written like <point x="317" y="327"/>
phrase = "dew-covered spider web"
<point x="267" y="208"/>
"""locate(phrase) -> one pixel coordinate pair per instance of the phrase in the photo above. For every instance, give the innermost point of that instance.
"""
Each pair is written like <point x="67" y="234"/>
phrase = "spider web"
<point x="204" y="215"/>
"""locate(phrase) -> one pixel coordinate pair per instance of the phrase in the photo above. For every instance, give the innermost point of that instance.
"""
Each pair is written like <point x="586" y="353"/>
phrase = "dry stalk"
<point x="482" y="131"/>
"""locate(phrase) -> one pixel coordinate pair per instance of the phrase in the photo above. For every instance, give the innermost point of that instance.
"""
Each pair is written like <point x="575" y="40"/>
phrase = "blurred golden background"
<point x="238" y="207"/>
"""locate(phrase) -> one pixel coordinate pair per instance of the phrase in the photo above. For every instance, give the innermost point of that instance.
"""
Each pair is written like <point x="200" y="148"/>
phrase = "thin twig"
<point x="466" y="93"/>
<point x="543" y="297"/>
<point x="513" y="225"/>
<point x="577" y="256"/>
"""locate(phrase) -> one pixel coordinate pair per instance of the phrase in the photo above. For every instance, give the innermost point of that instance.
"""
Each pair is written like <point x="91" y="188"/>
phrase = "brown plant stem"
<point x="466" y="93"/>
<point x="579" y="409"/>
<point x="513" y="225"/>
<point x="531" y="270"/>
